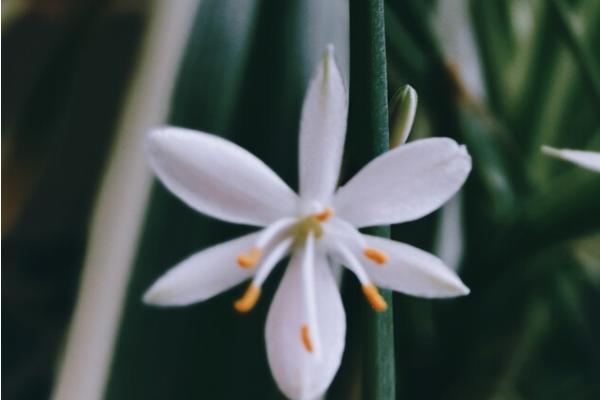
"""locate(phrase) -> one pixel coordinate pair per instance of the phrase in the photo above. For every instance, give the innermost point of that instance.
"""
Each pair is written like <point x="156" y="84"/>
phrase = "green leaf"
<point x="587" y="63"/>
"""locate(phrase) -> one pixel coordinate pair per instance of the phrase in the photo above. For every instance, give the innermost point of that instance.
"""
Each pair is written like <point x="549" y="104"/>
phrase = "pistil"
<point x="310" y="224"/>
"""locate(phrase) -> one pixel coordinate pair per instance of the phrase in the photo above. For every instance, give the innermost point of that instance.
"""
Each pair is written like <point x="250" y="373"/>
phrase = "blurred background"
<point x="85" y="230"/>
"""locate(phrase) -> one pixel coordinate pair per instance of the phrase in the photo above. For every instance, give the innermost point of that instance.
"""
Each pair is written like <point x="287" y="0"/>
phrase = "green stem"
<point x="369" y="137"/>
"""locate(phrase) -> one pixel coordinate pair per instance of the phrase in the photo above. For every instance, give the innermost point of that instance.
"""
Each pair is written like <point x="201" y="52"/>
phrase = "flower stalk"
<point x="368" y="130"/>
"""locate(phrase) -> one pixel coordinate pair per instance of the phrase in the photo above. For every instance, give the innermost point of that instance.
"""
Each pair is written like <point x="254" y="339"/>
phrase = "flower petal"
<point x="322" y="132"/>
<point x="449" y="243"/>
<point x="412" y="271"/>
<point x="299" y="373"/>
<point x="218" y="178"/>
<point x="585" y="159"/>
<point x="202" y="275"/>
<point x="404" y="184"/>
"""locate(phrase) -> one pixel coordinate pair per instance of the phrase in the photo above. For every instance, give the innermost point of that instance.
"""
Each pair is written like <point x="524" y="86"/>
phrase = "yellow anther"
<point x="324" y="215"/>
<point x="305" y="335"/>
<point x="248" y="300"/>
<point x="250" y="259"/>
<point x="375" y="255"/>
<point x="374" y="298"/>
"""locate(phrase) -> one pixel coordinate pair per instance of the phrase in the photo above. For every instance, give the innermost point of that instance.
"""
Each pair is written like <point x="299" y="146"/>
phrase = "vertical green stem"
<point x="368" y="137"/>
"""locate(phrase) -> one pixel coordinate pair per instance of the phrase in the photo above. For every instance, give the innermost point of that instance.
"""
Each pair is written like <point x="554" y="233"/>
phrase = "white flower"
<point x="585" y="159"/>
<point x="306" y="325"/>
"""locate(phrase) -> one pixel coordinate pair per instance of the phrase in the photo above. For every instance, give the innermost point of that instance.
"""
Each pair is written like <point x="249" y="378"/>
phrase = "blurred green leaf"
<point x="587" y="63"/>
<point x="58" y="132"/>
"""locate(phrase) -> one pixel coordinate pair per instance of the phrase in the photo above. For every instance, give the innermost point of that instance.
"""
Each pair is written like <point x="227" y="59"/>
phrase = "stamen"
<point x="250" y="259"/>
<point x="375" y="255"/>
<point x="248" y="300"/>
<point x="311" y="342"/>
<point x="305" y="335"/>
<point x="273" y="230"/>
<point x="270" y="260"/>
<point x="351" y="262"/>
<point x="374" y="298"/>
<point x="324" y="215"/>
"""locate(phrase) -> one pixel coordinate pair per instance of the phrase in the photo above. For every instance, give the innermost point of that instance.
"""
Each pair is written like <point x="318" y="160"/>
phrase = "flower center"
<point x="309" y="224"/>
<point x="290" y="233"/>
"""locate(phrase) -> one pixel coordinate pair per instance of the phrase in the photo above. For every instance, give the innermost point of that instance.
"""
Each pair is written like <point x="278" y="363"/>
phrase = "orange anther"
<point x="374" y="298"/>
<point x="250" y="259"/>
<point x="305" y="334"/>
<point x="324" y="215"/>
<point x="248" y="300"/>
<point x="375" y="255"/>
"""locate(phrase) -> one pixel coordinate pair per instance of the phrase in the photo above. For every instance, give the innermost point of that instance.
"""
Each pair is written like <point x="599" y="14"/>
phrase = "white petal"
<point x="454" y="28"/>
<point x="322" y="132"/>
<point x="585" y="159"/>
<point x="298" y="373"/>
<point x="412" y="271"/>
<point x="449" y="243"/>
<point x="219" y="178"/>
<point x="404" y="184"/>
<point x="202" y="275"/>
